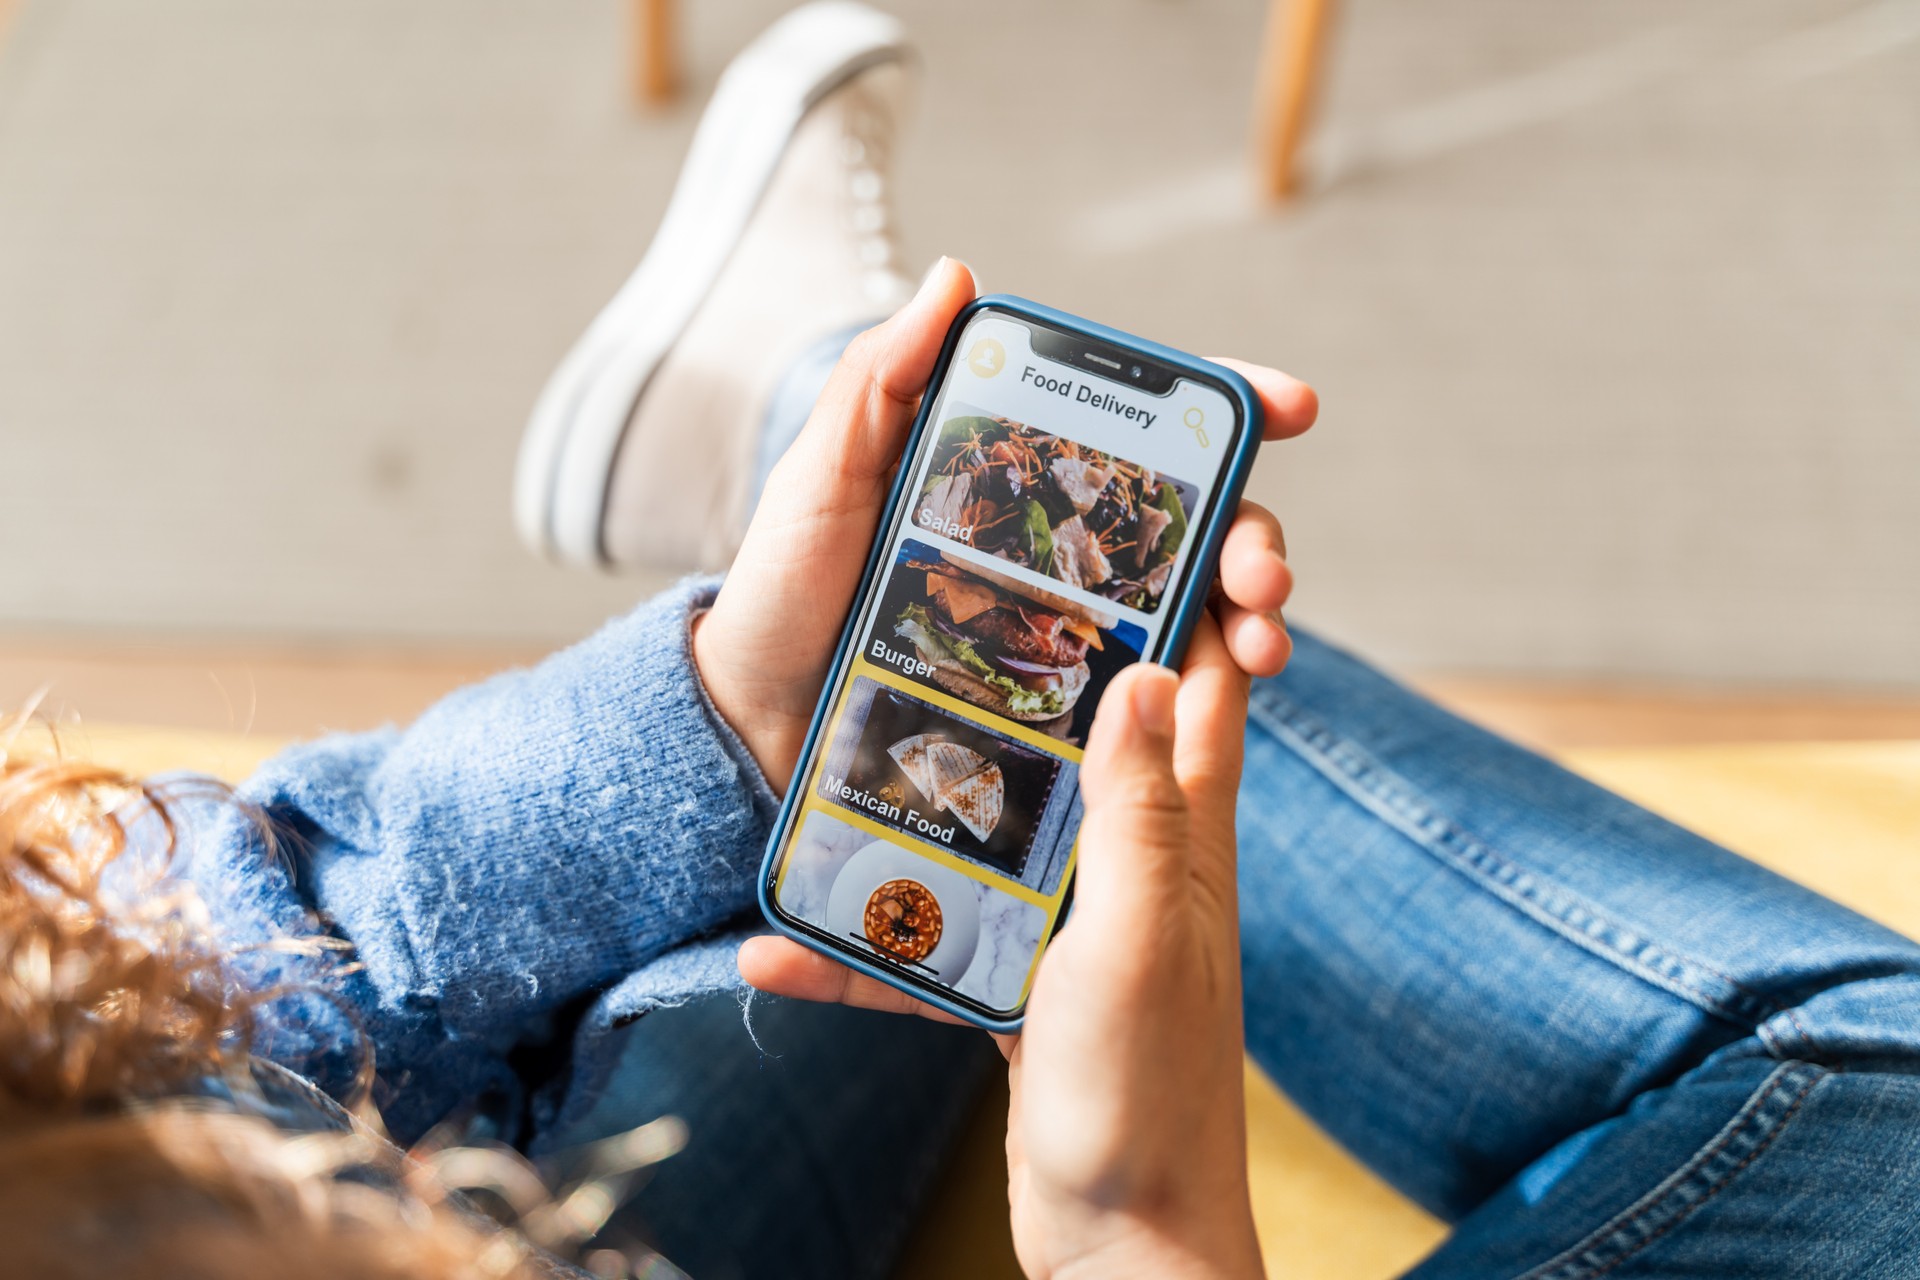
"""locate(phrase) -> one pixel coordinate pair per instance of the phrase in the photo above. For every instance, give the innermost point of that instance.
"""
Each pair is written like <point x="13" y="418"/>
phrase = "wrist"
<point x="759" y="731"/>
<point x="1227" y="1251"/>
<point x="1206" y="1234"/>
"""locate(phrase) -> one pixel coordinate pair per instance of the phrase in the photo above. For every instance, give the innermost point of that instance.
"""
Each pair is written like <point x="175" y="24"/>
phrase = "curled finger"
<point x="1258" y="641"/>
<point x="1253" y="567"/>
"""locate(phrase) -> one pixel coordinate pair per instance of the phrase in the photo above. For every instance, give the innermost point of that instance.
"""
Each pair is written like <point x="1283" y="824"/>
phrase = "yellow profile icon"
<point x="987" y="358"/>
<point x="1196" y="420"/>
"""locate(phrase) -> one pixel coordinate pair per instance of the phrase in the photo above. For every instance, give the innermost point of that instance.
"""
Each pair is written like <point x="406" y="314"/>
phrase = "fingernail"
<point x="1153" y="697"/>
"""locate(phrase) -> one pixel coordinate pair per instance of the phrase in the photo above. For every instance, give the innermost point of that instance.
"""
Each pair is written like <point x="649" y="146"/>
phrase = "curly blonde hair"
<point x="114" y="999"/>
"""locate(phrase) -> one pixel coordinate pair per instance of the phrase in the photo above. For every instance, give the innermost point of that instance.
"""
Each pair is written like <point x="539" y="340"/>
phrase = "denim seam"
<point x="1746" y="1137"/>
<point x="1395" y="801"/>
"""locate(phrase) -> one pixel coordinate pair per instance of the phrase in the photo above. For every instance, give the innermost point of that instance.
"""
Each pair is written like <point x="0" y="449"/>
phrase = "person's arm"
<point x="529" y="842"/>
<point x="534" y="841"/>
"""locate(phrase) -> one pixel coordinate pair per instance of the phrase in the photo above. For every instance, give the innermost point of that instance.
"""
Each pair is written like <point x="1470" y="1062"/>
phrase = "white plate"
<point x="959" y="900"/>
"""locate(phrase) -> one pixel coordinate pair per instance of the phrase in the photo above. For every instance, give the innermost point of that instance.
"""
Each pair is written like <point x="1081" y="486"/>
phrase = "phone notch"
<point x="1115" y="364"/>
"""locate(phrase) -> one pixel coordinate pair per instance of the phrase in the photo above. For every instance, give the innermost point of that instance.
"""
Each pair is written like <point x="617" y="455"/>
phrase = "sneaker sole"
<point x="574" y="433"/>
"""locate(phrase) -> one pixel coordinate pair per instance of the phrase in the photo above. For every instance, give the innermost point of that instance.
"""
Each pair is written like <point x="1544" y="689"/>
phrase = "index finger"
<point x="1289" y="405"/>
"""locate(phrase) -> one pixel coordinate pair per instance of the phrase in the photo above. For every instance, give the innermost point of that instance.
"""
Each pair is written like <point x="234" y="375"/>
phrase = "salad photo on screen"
<point x="1073" y="513"/>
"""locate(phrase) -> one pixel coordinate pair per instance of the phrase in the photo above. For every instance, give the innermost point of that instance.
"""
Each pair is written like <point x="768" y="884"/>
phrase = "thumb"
<point x="860" y="422"/>
<point x="1134" y="837"/>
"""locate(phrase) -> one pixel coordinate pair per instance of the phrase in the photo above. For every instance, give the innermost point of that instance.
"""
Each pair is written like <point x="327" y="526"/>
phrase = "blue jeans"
<point x="1593" y="1042"/>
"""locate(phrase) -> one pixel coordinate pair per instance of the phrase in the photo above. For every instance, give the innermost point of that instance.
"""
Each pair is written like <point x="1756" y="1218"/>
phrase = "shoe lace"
<point x="864" y="150"/>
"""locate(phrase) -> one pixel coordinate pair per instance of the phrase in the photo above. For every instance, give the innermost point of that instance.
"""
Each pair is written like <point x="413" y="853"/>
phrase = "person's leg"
<point x="640" y="451"/>
<point x="1596" y="1043"/>
<point x="812" y="1143"/>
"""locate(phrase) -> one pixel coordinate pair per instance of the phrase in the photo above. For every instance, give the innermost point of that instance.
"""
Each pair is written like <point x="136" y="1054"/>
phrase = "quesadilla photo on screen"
<point x="957" y="779"/>
<point x="911" y="755"/>
<point x="946" y="781"/>
<point x="977" y="799"/>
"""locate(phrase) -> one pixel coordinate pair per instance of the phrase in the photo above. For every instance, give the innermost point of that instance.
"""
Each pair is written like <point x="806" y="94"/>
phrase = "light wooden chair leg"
<point x="656" y="71"/>
<point x="1289" y="84"/>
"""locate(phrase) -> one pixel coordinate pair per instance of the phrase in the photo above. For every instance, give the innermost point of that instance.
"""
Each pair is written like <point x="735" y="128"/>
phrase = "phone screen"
<point x="1051" y="508"/>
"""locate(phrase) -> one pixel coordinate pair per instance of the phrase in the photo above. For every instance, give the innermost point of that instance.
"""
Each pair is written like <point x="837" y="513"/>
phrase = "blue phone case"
<point x="1187" y="606"/>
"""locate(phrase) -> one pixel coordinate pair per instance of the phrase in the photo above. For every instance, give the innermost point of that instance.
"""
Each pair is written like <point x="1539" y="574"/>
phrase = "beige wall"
<point x="1615" y="309"/>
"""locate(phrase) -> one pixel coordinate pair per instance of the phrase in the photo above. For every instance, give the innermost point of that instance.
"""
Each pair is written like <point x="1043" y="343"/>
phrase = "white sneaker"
<point x="641" y="449"/>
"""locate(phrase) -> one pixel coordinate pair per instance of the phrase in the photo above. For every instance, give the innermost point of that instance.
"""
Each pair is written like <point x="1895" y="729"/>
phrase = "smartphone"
<point x="1057" y="515"/>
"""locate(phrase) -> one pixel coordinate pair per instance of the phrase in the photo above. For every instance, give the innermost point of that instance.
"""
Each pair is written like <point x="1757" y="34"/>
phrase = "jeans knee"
<point x="1865" y="1021"/>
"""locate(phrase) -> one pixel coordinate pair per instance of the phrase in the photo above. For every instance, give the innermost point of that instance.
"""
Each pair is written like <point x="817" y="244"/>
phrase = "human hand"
<point x="1126" y="1140"/>
<point x="1126" y="1144"/>
<point x="764" y="648"/>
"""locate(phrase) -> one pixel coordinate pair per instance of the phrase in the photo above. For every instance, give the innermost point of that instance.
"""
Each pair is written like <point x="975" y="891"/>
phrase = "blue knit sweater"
<point x="539" y="859"/>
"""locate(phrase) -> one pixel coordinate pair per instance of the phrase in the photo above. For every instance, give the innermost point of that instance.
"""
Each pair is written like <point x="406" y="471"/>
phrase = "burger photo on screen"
<point x="1009" y="648"/>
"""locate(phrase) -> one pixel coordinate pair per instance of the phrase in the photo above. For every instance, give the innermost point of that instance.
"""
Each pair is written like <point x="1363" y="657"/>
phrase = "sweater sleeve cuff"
<point x="766" y="801"/>
<point x="530" y="840"/>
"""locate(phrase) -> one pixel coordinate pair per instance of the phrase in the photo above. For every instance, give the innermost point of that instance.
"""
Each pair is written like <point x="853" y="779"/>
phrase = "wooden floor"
<point x="280" y="693"/>
<point x="273" y="692"/>
<point x="1559" y="715"/>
